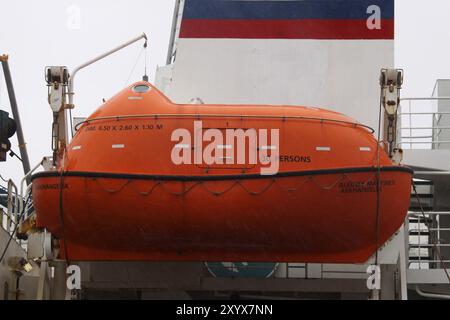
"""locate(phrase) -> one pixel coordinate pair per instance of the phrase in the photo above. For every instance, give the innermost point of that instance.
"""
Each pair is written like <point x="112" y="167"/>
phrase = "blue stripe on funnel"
<point x="300" y="9"/>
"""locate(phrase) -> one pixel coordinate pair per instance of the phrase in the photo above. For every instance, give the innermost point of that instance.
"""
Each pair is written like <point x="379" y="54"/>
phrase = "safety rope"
<point x="378" y="180"/>
<point x="146" y="58"/>
<point x="143" y="49"/>
<point x="184" y="192"/>
<point x="134" y="66"/>
<point x="61" y="208"/>
<point x="114" y="190"/>
<point x="72" y="133"/>
<point x="233" y="184"/>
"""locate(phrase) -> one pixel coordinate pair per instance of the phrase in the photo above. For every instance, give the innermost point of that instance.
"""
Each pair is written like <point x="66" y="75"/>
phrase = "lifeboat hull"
<point x="321" y="216"/>
<point x="137" y="183"/>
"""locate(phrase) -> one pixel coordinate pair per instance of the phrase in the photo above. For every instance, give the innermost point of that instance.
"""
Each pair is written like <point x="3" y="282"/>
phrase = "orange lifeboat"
<point x="133" y="186"/>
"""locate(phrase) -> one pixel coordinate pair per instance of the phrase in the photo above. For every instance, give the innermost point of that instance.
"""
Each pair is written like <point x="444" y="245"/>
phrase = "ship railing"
<point x="26" y="208"/>
<point x="19" y="207"/>
<point x="424" y="123"/>
<point x="16" y="208"/>
<point x="428" y="240"/>
<point x="10" y="218"/>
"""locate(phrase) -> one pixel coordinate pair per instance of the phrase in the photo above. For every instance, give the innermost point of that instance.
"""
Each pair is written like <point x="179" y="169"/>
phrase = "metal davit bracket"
<point x="391" y="81"/>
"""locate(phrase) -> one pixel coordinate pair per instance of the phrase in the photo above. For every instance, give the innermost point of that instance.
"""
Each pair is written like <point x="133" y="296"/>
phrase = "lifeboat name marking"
<point x="55" y="186"/>
<point x="364" y="186"/>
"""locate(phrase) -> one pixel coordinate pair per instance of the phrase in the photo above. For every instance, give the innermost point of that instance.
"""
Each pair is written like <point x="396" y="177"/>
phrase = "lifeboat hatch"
<point x="141" y="88"/>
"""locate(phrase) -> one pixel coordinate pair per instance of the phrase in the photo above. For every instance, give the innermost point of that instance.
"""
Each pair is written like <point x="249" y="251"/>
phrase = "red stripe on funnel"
<point x="285" y="29"/>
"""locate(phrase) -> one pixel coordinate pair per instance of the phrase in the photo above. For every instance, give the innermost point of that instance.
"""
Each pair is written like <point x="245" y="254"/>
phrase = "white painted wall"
<point x="340" y="75"/>
<point x="428" y="159"/>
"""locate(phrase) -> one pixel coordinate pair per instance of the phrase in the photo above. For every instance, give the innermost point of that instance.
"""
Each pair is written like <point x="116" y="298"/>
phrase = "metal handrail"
<point x="24" y="179"/>
<point x="12" y="211"/>
<point x="417" y="137"/>
<point x="431" y="213"/>
<point x="436" y="118"/>
<point x="429" y="229"/>
<point x="431" y="295"/>
<point x="424" y="233"/>
<point x="421" y="113"/>
<point x="423" y="142"/>
<point x="430" y="261"/>
<point x="94" y="60"/>
<point x="18" y="208"/>
<point x="425" y="99"/>
<point x="425" y="128"/>
<point x="443" y="245"/>
<point x="12" y="206"/>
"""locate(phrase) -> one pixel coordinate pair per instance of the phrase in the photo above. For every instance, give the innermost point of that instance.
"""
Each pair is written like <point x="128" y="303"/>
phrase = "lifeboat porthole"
<point x="141" y="88"/>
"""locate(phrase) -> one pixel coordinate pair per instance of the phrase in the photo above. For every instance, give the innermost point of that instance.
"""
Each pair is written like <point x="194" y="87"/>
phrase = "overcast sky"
<point x="40" y="33"/>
